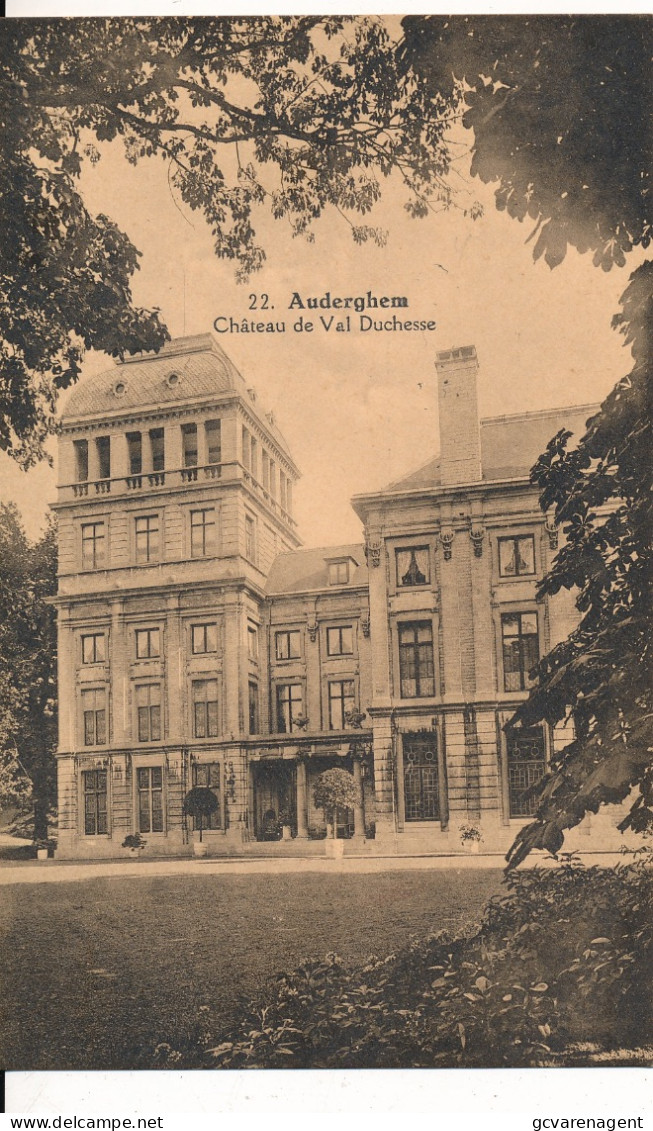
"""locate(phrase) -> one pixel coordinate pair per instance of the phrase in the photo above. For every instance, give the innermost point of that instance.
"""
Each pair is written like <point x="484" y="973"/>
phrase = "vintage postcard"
<point x="292" y="307"/>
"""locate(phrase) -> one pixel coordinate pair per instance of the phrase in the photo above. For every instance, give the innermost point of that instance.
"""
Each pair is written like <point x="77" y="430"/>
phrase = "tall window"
<point x="81" y="460"/>
<point x="149" y="780"/>
<point x="421" y="785"/>
<point x="93" y="545"/>
<point x="253" y="453"/>
<point x="147" y="538"/>
<point x="520" y="649"/>
<point x="265" y="470"/>
<point x="207" y="776"/>
<point x="148" y="643"/>
<point x="157" y="448"/>
<point x="341" y="700"/>
<point x="250" y="538"/>
<point x="148" y="706"/>
<point x="340" y="640"/>
<point x="94" y="711"/>
<point x="416" y="670"/>
<point x="246" y="449"/>
<point x="252" y="642"/>
<point x="289" y="706"/>
<point x="94" y="648"/>
<point x="202" y="533"/>
<point x="213" y="441"/>
<point x="273" y="479"/>
<point x="282" y="490"/>
<point x="135" y="453"/>
<point x="204" y="638"/>
<point x="526" y="767"/>
<point x="517" y="556"/>
<point x="95" y="802"/>
<point x="205" y="708"/>
<point x="413" y="566"/>
<point x="189" y="444"/>
<point x="103" y="449"/>
<point x="253" y="707"/>
<point x="287" y="645"/>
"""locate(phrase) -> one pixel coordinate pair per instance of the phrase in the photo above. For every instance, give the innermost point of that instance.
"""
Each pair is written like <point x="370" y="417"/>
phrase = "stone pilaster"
<point x="302" y="800"/>
<point x="120" y="726"/>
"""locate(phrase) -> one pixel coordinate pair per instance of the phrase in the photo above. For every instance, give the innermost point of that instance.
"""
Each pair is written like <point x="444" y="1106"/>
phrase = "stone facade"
<point x="200" y="646"/>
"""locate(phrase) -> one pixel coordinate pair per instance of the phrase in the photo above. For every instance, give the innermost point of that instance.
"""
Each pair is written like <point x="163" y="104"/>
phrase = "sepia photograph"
<point x="326" y="710"/>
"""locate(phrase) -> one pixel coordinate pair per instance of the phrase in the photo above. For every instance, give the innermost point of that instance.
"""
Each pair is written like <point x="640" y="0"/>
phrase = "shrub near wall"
<point x="563" y="957"/>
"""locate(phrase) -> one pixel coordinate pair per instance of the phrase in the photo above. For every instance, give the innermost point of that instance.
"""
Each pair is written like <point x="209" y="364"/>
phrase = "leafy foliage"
<point x="555" y="108"/>
<point x="199" y="803"/>
<point x="334" y="789"/>
<point x="27" y="667"/>
<point x="555" y="104"/>
<point x="299" y="113"/>
<point x="601" y="494"/>
<point x="560" y="958"/>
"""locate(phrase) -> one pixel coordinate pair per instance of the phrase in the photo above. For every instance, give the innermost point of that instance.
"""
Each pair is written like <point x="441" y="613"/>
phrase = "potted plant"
<point x="334" y="789"/>
<point x="43" y="848"/>
<point x="470" y="836"/>
<point x="135" y="843"/>
<point x="286" y="827"/>
<point x="199" y="803"/>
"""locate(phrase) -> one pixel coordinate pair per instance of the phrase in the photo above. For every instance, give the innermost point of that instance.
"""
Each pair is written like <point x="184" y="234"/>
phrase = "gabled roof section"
<point x="510" y="445"/>
<point x="302" y="571"/>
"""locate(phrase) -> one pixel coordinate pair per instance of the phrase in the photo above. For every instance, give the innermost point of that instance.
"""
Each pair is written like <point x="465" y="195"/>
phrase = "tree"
<point x="300" y="113"/>
<point x="27" y="667"/>
<point x="557" y="106"/>
<point x="600" y="677"/>
<point x="200" y="803"/>
<point x="556" y="109"/>
<point x="334" y="789"/>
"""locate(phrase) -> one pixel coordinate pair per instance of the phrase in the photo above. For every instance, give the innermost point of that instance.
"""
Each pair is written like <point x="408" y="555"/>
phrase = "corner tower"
<point x="175" y="495"/>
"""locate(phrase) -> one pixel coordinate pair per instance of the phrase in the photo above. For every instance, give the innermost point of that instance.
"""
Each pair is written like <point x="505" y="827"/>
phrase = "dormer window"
<point x="339" y="571"/>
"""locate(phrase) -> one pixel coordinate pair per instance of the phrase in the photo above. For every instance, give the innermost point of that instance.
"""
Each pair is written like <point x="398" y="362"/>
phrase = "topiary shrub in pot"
<point x="334" y="789"/>
<point x="200" y="803"/>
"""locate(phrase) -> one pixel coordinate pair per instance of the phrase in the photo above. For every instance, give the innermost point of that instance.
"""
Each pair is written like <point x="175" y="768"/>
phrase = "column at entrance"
<point x="302" y="800"/>
<point x="359" y="814"/>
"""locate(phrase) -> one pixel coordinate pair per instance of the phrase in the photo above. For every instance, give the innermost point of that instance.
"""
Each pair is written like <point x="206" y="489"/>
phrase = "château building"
<point x="201" y="645"/>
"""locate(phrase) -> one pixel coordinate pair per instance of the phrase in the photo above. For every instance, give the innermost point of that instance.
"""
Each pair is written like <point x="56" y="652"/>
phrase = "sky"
<point x="360" y="409"/>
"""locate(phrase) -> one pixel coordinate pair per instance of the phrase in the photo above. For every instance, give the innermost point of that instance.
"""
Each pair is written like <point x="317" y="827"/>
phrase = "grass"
<point x="98" y="972"/>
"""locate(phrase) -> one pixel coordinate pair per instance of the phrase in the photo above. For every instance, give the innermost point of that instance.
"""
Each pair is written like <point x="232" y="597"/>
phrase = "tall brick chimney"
<point x="460" y="435"/>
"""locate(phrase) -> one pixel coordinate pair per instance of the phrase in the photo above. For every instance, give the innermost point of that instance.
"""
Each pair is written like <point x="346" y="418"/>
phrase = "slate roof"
<point x="302" y="570"/>
<point x="510" y="445"/>
<point x="201" y="365"/>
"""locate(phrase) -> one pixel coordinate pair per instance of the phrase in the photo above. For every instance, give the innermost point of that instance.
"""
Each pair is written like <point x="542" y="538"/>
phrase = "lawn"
<point x="97" y="972"/>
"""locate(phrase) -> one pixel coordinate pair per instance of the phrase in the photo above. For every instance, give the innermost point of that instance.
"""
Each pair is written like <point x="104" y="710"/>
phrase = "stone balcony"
<point x="171" y="479"/>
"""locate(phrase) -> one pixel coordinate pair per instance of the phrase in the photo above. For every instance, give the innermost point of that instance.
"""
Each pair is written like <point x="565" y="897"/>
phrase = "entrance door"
<point x="275" y="799"/>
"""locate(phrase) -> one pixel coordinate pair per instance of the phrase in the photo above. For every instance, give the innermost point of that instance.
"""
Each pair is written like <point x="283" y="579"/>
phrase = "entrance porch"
<point x="281" y="781"/>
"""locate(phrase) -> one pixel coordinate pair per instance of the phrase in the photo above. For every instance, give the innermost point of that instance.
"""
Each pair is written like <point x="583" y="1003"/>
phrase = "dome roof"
<point x="184" y="369"/>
